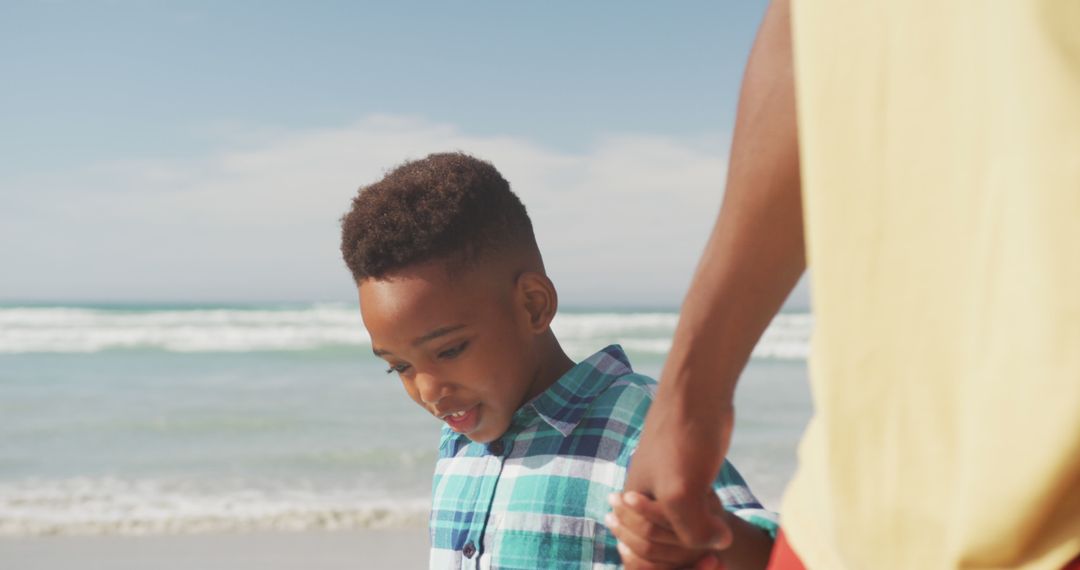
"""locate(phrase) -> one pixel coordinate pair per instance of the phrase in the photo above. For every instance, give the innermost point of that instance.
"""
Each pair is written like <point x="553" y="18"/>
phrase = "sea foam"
<point x="323" y="326"/>
<point x="90" y="506"/>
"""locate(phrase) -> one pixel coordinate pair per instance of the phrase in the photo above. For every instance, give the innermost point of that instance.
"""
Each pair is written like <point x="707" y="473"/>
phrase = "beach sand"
<point x="264" y="551"/>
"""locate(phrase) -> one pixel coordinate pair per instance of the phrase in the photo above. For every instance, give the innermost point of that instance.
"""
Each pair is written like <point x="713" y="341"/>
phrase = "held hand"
<point x="646" y="541"/>
<point x="681" y="451"/>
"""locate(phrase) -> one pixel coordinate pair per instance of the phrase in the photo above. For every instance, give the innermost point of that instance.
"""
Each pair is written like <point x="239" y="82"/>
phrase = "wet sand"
<point x="354" y="550"/>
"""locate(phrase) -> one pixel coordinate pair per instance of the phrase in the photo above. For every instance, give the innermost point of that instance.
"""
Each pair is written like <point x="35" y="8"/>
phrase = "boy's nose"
<point x="431" y="389"/>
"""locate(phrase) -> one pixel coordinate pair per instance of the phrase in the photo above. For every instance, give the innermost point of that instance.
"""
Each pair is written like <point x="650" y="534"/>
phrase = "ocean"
<point x="152" y="419"/>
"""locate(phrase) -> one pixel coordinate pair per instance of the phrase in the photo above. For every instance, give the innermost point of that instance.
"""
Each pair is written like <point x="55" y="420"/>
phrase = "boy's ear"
<point x="539" y="298"/>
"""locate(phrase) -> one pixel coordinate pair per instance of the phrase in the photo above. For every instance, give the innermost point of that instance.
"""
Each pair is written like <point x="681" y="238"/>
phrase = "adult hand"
<point x="681" y="451"/>
<point x="646" y="540"/>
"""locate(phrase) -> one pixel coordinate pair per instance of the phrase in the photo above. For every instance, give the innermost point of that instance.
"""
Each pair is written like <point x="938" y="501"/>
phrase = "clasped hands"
<point x="647" y="540"/>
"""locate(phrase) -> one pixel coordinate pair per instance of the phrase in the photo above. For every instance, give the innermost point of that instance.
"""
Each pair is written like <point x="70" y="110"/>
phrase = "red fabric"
<point x="784" y="558"/>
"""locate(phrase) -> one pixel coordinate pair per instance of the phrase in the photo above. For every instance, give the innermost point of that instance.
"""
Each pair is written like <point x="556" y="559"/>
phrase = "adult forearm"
<point x="753" y="259"/>
<point x="755" y="254"/>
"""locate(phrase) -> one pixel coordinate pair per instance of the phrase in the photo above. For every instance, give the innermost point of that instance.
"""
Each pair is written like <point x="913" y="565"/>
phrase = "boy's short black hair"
<point x="447" y="206"/>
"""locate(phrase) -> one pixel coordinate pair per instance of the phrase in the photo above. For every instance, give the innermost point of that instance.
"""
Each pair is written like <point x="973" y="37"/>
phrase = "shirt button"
<point x="469" y="549"/>
<point x="496" y="447"/>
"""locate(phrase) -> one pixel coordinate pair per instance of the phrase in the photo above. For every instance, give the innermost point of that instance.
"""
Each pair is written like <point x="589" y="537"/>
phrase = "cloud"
<point x="621" y="222"/>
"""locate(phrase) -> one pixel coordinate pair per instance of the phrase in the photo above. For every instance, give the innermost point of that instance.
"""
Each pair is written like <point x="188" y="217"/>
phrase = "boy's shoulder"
<point x="619" y="409"/>
<point x="628" y="393"/>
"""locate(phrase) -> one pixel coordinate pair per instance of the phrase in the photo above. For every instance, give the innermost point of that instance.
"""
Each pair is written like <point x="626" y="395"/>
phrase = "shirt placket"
<point x="473" y="555"/>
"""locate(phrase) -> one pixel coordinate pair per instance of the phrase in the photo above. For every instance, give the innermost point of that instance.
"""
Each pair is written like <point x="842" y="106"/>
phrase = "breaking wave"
<point x="91" y="506"/>
<point x="321" y="326"/>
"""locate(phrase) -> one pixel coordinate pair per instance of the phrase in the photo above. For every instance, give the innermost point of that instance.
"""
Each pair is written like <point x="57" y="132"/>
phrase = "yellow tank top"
<point x="940" y="149"/>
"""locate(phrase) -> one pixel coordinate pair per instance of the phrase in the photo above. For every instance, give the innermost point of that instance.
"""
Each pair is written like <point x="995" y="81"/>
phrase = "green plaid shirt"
<point x="536" y="497"/>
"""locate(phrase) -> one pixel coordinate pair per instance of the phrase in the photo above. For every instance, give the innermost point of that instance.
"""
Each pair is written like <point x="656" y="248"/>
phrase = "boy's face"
<point x="459" y="345"/>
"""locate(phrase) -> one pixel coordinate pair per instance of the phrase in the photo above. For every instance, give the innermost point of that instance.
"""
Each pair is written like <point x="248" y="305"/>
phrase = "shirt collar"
<point x="564" y="402"/>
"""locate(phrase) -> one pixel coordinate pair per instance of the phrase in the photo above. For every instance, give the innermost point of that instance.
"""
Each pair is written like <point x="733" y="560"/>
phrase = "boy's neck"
<point x="553" y="366"/>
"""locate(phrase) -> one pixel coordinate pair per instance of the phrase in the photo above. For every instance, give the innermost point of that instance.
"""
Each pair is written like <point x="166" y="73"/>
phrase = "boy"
<point x="454" y="296"/>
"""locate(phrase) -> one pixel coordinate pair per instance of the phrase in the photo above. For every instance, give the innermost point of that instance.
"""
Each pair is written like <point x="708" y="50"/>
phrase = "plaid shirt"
<point x="536" y="497"/>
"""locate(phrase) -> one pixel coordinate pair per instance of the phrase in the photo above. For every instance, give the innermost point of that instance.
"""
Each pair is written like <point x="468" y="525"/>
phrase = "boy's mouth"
<point x="463" y="421"/>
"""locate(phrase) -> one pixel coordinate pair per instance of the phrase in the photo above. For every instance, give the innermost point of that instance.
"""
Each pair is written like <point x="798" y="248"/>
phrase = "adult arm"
<point x="753" y="259"/>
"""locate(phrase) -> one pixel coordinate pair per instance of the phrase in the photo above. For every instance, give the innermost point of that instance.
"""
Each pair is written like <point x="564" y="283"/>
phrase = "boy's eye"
<point x="454" y="352"/>
<point x="399" y="368"/>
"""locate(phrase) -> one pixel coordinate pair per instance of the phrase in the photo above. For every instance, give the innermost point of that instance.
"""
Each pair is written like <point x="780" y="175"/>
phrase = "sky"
<point x="205" y="151"/>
